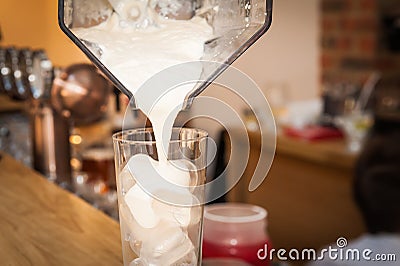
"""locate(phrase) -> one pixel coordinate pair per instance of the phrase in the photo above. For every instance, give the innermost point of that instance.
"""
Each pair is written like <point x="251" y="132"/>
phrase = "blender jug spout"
<point x="235" y="26"/>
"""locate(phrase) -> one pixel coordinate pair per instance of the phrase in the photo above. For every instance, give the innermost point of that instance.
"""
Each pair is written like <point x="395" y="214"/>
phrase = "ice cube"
<point x="175" y="214"/>
<point x="193" y="232"/>
<point x="161" y="180"/>
<point x="130" y="240"/>
<point x="165" y="245"/>
<point x="175" y="173"/>
<point x="189" y="260"/>
<point x="181" y="215"/>
<point x="137" y="262"/>
<point x="135" y="245"/>
<point x="126" y="180"/>
<point x="130" y="227"/>
<point x="196" y="212"/>
<point x="185" y="165"/>
<point x="132" y="12"/>
<point x="139" y="204"/>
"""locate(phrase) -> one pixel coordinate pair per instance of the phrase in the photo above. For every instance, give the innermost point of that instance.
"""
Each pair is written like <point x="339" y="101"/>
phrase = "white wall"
<point x="288" y="53"/>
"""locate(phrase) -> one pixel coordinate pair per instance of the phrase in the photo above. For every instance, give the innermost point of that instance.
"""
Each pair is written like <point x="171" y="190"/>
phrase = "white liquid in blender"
<point x="158" y="233"/>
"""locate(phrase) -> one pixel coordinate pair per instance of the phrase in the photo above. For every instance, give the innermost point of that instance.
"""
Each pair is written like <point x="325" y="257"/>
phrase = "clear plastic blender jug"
<point x="236" y="25"/>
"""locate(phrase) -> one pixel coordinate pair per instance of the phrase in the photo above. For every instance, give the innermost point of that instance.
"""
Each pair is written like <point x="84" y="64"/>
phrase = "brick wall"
<point x="354" y="43"/>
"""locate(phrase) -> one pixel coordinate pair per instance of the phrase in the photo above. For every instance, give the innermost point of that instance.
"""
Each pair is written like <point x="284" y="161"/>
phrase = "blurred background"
<point x="329" y="69"/>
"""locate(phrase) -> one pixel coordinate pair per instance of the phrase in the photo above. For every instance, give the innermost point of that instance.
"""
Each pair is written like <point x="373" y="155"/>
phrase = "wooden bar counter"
<point x="42" y="224"/>
<point x="8" y="105"/>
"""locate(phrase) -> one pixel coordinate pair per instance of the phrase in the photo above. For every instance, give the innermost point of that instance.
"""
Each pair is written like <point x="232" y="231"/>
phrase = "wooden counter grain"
<point x="41" y="224"/>
<point x="8" y="105"/>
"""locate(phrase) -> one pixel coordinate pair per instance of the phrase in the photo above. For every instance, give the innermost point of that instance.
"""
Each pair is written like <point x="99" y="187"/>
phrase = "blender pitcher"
<point x="156" y="231"/>
<point x="236" y="25"/>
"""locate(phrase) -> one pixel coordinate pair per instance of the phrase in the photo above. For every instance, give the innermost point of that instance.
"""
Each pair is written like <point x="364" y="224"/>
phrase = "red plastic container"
<point x="235" y="230"/>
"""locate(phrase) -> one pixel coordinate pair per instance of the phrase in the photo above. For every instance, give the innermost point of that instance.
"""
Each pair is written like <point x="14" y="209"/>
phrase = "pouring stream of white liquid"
<point x="135" y="55"/>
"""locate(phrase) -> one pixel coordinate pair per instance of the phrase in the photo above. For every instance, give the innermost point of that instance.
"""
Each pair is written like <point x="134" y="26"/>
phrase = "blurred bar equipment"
<point x="355" y="119"/>
<point x="55" y="101"/>
<point x="80" y="96"/>
<point x="50" y="131"/>
<point x="27" y="75"/>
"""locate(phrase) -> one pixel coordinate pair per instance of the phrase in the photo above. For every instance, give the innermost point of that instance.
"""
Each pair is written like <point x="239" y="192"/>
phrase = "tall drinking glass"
<point x="160" y="200"/>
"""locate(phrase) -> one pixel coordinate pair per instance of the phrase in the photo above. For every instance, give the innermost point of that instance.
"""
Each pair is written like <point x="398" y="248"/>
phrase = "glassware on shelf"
<point x="355" y="126"/>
